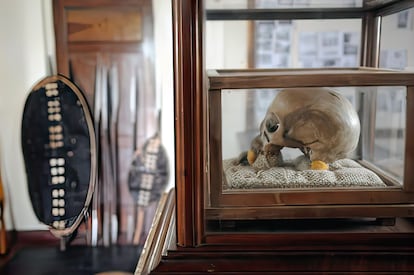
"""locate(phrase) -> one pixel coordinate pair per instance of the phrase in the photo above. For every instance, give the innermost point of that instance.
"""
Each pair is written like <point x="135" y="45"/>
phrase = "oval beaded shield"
<point x="59" y="152"/>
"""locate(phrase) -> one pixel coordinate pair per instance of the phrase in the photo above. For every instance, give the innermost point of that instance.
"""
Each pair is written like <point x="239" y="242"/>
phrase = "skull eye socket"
<point x="271" y="126"/>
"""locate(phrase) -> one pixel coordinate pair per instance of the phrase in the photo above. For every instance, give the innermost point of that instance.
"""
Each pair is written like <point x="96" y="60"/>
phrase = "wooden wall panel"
<point x="104" y="25"/>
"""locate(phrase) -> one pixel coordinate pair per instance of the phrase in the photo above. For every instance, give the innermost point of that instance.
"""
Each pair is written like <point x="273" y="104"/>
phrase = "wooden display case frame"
<point x="191" y="98"/>
<point x="194" y="250"/>
<point x="394" y="200"/>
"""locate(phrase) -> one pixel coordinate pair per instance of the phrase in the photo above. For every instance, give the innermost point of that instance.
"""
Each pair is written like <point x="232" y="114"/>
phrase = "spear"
<point x="114" y="95"/>
<point x="107" y="184"/>
<point x="133" y="120"/>
<point x="3" y="234"/>
<point x="97" y="118"/>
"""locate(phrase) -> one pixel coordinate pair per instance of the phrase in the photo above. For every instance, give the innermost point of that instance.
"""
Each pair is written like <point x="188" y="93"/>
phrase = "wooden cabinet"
<point x="280" y="192"/>
<point x="181" y="241"/>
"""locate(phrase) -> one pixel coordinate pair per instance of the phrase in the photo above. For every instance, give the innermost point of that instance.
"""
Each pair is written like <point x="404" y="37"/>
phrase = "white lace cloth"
<point x="295" y="174"/>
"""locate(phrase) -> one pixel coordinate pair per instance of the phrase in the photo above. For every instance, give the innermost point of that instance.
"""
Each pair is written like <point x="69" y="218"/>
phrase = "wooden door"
<point x="112" y="34"/>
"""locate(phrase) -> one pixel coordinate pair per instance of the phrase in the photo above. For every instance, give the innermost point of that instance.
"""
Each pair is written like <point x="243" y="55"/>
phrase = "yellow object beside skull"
<point x="251" y="156"/>
<point x="319" y="165"/>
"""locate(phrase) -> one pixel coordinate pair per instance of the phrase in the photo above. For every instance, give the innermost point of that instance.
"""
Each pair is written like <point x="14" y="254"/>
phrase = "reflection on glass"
<point x="283" y="43"/>
<point x="306" y="44"/>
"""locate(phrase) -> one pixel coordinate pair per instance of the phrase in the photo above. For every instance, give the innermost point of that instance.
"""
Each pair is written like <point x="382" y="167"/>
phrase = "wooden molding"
<point x="160" y="237"/>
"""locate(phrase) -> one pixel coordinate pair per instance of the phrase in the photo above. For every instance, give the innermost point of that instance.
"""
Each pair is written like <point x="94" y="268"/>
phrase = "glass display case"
<point x="233" y="60"/>
<point x="371" y="180"/>
<point x="256" y="49"/>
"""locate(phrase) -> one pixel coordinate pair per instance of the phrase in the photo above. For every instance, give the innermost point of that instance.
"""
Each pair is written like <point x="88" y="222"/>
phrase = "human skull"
<point x="319" y="121"/>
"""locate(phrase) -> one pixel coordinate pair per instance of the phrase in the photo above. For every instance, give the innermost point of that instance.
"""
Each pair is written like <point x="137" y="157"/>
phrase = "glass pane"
<point x="381" y="113"/>
<point x="389" y="137"/>
<point x="283" y="43"/>
<point x="397" y="38"/>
